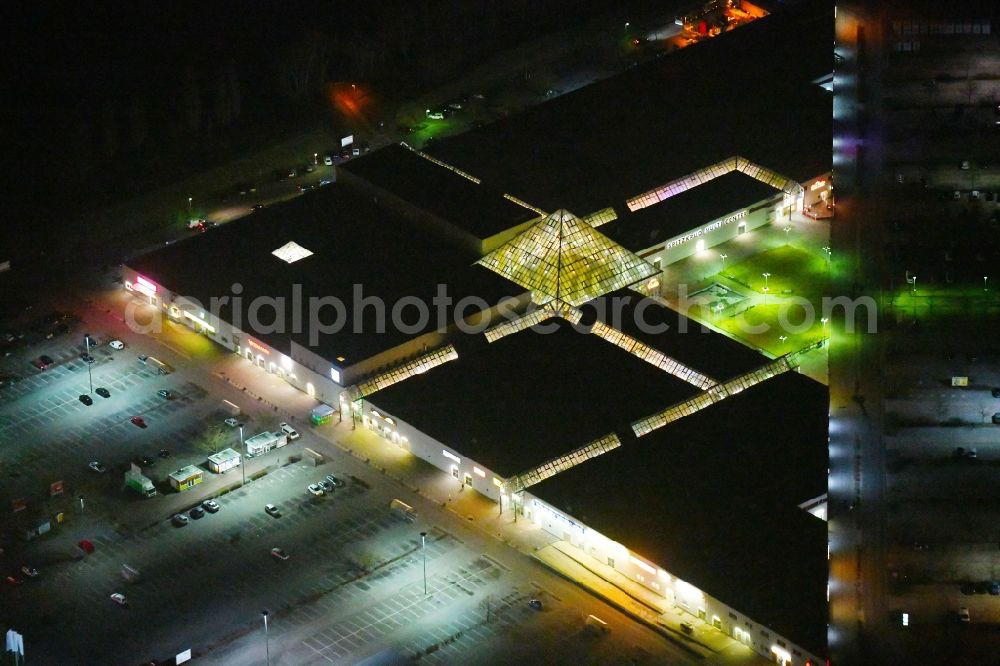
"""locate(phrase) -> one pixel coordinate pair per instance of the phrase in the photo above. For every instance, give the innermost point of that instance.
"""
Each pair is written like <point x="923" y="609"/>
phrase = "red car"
<point x="139" y="421"/>
<point x="13" y="580"/>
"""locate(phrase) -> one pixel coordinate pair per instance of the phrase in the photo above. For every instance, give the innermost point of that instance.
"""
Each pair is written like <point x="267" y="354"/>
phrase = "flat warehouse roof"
<point x="477" y="208"/>
<point x="713" y="499"/>
<point x="683" y="339"/>
<point x="688" y="210"/>
<point x="746" y="93"/>
<point x="359" y="250"/>
<point x="530" y="397"/>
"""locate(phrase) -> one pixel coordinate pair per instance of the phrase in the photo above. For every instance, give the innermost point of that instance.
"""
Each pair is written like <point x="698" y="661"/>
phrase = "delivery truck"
<point x="140" y="483"/>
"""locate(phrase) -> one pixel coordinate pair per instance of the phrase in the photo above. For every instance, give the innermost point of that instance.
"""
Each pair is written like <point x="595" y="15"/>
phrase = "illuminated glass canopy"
<point x="565" y="258"/>
<point x="291" y="252"/>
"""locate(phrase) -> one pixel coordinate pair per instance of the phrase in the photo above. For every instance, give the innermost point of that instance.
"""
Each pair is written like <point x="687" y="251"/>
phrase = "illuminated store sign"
<point x="259" y="347"/>
<point x="718" y="224"/>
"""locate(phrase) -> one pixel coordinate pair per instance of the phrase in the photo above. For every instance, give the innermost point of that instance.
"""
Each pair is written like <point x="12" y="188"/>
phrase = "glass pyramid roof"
<point x="563" y="257"/>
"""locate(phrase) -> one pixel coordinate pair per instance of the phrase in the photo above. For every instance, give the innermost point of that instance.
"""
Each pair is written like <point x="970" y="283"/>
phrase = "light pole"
<point x="828" y="251"/>
<point x="766" y="275"/>
<point x="914" y="284"/>
<point x="423" y="549"/>
<point x="723" y="256"/>
<point x="190" y="199"/>
<point x="90" y="375"/>
<point x="267" y="642"/>
<point x="315" y="159"/>
<point x="984" y="283"/>
<point x="243" y="455"/>
<point x="787" y="229"/>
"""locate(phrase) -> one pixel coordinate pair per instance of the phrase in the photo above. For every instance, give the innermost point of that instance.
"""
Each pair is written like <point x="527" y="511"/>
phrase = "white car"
<point x="119" y="599"/>
<point x="279" y="554"/>
<point x="231" y="422"/>
<point x="117" y="344"/>
<point x="289" y="431"/>
<point x="315" y="489"/>
<point x="97" y="467"/>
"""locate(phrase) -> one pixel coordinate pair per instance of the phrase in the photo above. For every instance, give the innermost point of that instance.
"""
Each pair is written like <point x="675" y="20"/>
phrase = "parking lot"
<point x="352" y="585"/>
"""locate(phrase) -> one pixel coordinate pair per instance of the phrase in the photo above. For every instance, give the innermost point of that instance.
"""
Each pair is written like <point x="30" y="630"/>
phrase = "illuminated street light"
<point x="267" y="642"/>
<point x="787" y="229"/>
<point x="423" y="549"/>
<point x="828" y="251"/>
<point x="782" y="338"/>
<point x="766" y="275"/>
<point x="190" y="199"/>
<point x="723" y="256"/>
<point x="315" y="159"/>
<point x="765" y="295"/>
<point x="984" y="283"/>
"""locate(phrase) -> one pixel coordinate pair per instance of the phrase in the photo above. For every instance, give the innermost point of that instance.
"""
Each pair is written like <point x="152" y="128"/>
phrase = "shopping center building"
<point x="552" y="379"/>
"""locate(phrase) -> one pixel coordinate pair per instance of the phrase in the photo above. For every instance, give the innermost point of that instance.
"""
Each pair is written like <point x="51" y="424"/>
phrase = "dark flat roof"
<point x="478" y="209"/>
<point x="683" y="339"/>
<point x="353" y="240"/>
<point x="685" y="211"/>
<point x="720" y="491"/>
<point x="747" y="93"/>
<point x="530" y="397"/>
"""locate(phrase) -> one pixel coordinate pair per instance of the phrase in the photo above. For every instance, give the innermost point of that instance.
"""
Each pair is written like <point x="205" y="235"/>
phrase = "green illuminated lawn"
<point x="797" y="283"/>
<point x="762" y="326"/>
<point x="792" y="271"/>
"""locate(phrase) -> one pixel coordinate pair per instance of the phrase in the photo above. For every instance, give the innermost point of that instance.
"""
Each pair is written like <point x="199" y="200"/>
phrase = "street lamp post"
<point x="267" y="642"/>
<point x="190" y="200"/>
<point x="787" y="229"/>
<point x="984" y="282"/>
<point x="423" y="549"/>
<point x="766" y="275"/>
<point x="90" y="374"/>
<point x="723" y="256"/>
<point x="828" y="251"/>
<point x="315" y="159"/>
<point x="243" y="455"/>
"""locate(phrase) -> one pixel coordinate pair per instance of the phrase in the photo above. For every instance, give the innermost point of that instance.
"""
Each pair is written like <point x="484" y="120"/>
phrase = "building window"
<point x="732" y="616"/>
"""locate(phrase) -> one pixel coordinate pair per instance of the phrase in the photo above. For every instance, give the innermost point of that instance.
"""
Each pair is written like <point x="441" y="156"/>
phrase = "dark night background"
<point x="105" y="101"/>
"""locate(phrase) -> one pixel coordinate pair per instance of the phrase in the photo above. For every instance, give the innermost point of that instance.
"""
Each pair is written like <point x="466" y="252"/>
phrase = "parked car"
<point x="30" y="572"/>
<point x="289" y="431"/>
<point x="164" y="393"/>
<point x="279" y="554"/>
<point x="117" y="344"/>
<point x="43" y="362"/>
<point x="97" y="467"/>
<point x="211" y="506"/>
<point x="335" y="480"/>
<point x="963" y="614"/>
<point x="994" y="586"/>
<point x="328" y="160"/>
<point x="996" y="418"/>
<point x="86" y="399"/>
<point x="326" y="486"/>
<point x="197" y="513"/>
<point x="179" y="519"/>
<point x="231" y="422"/>
<point x="315" y="489"/>
<point x="163" y="453"/>
<point x="139" y="421"/>
<point x="87" y="358"/>
<point x="995" y="392"/>
<point x="119" y="599"/>
<point x="142" y="358"/>
<point x="103" y="392"/>
<point x="272" y="510"/>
